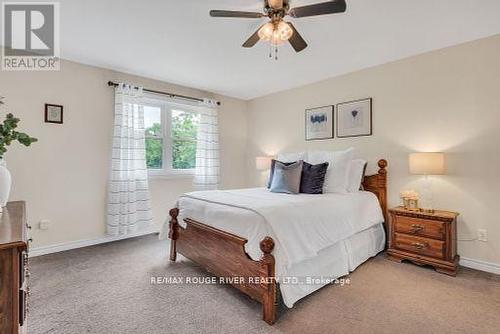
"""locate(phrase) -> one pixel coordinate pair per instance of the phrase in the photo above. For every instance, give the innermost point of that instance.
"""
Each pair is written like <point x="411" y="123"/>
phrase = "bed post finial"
<point x="382" y="163"/>
<point x="267" y="245"/>
<point x="269" y="297"/>
<point x="173" y="234"/>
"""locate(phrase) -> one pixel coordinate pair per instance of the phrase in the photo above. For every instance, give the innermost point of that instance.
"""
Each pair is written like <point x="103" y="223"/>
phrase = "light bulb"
<point x="266" y="32"/>
<point x="276" y="38"/>
<point x="284" y="31"/>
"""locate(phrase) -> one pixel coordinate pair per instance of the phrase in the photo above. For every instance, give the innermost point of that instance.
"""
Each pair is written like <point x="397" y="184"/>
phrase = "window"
<point x="170" y="138"/>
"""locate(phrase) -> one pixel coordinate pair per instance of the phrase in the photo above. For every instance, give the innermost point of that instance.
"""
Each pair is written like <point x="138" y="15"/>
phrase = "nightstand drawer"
<point x="419" y="227"/>
<point x="419" y="245"/>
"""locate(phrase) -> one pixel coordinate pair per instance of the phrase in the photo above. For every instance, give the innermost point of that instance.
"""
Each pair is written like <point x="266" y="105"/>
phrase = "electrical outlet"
<point x="482" y="235"/>
<point x="44" y="224"/>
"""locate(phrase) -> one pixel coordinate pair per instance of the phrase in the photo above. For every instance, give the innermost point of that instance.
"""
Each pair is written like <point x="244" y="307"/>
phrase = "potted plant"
<point x="8" y="134"/>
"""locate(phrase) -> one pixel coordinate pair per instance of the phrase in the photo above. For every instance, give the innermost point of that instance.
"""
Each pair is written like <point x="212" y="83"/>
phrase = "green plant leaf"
<point x="8" y="134"/>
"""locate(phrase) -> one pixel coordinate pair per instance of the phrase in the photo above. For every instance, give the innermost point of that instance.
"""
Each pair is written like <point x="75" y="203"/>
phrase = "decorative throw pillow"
<point x="271" y="171"/>
<point x="336" y="176"/>
<point x="357" y="170"/>
<point x="286" y="179"/>
<point x="313" y="178"/>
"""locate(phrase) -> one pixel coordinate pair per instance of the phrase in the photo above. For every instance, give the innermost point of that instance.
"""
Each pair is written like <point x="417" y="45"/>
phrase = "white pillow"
<point x="291" y="157"/>
<point x="356" y="173"/>
<point x="336" y="180"/>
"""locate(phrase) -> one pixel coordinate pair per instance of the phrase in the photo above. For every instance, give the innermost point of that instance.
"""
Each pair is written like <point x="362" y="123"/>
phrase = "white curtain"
<point x="129" y="207"/>
<point x="207" y="150"/>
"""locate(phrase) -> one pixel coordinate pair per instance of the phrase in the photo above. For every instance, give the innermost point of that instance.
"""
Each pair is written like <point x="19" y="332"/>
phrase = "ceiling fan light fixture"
<point x="284" y="31"/>
<point x="277" y="33"/>
<point x="266" y="32"/>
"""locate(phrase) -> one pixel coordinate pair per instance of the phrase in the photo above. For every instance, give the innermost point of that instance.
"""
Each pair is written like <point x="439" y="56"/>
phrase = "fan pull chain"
<point x="273" y="50"/>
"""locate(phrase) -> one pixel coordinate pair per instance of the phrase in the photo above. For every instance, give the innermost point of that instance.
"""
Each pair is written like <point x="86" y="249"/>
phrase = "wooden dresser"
<point x="13" y="268"/>
<point x="424" y="238"/>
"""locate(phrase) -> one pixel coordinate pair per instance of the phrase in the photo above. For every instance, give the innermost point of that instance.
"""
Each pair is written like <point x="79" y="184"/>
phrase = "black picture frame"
<point x="47" y="118"/>
<point x="370" y="133"/>
<point x="332" y="117"/>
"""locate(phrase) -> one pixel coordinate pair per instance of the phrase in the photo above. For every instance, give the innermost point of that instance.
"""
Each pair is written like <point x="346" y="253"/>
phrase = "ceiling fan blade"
<point x="296" y="40"/>
<point x="275" y="4"/>
<point x="230" y="13"/>
<point x="329" y="7"/>
<point x="253" y="39"/>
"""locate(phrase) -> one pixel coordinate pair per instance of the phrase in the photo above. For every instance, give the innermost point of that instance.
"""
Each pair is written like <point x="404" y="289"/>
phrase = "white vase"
<point x="5" y="183"/>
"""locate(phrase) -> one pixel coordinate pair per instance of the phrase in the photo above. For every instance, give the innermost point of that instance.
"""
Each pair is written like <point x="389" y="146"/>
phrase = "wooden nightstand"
<point x="424" y="238"/>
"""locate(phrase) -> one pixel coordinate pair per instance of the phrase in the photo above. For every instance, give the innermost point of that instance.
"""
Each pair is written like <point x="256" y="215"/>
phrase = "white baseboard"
<point x="480" y="265"/>
<point x="44" y="250"/>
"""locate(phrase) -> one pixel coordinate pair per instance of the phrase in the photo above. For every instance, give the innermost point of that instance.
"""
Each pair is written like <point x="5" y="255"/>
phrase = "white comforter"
<point x="301" y="225"/>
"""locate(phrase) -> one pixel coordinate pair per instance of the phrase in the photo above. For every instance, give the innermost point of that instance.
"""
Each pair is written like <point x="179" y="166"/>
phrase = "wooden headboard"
<point x="377" y="184"/>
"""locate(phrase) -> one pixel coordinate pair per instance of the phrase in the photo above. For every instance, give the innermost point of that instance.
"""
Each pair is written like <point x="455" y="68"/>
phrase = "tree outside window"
<point x="170" y="138"/>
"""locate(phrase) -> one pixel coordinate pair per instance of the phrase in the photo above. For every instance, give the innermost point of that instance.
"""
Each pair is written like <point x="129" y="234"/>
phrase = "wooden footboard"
<point x="223" y="254"/>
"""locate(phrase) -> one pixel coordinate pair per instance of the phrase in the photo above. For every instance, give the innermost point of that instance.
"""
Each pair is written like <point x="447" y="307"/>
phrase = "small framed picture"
<point x="319" y="123"/>
<point x="354" y="118"/>
<point x="53" y="113"/>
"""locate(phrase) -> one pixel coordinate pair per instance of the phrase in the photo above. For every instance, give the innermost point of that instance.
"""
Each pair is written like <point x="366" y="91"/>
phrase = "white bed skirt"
<point x="333" y="263"/>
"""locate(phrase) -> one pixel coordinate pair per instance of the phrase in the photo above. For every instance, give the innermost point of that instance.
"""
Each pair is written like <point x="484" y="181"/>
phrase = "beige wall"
<point x="63" y="177"/>
<point x="447" y="100"/>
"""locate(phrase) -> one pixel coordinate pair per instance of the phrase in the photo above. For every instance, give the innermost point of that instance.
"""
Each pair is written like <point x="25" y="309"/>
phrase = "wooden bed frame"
<point x="223" y="254"/>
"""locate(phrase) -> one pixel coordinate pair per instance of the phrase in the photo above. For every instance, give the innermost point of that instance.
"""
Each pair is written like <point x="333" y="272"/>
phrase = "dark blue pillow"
<point x="313" y="178"/>
<point x="271" y="171"/>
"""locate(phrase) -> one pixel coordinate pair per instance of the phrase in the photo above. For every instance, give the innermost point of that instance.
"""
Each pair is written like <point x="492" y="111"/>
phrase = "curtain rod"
<point x="114" y="84"/>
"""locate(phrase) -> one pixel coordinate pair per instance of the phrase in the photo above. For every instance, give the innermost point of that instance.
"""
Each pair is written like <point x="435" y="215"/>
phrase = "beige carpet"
<point x="106" y="289"/>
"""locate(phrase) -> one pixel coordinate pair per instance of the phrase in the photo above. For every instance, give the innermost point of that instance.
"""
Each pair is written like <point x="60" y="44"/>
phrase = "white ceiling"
<point x="176" y="40"/>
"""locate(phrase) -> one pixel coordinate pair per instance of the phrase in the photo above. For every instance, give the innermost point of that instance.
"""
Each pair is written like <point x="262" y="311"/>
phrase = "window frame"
<point x="166" y="108"/>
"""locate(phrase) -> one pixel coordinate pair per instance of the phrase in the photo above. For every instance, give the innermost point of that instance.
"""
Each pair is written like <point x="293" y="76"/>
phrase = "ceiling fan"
<point x="277" y="30"/>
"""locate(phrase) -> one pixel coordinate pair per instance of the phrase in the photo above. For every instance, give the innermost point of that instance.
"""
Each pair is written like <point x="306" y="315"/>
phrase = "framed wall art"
<point x="354" y="118"/>
<point x="53" y="113"/>
<point x="319" y="123"/>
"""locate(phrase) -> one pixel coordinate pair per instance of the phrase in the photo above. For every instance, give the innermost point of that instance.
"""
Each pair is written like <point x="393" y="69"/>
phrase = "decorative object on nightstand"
<point x="427" y="164"/>
<point x="424" y="238"/>
<point x="410" y="200"/>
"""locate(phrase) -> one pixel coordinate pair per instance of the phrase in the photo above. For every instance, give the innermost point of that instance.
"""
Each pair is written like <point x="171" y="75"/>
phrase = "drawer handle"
<point x="419" y="245"/>
<point x="415" y="228"/>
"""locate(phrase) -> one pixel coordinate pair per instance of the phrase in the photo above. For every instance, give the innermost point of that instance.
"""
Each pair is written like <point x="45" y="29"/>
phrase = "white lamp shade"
<point x="263" y="163"/>
<point x="427" y="163"/>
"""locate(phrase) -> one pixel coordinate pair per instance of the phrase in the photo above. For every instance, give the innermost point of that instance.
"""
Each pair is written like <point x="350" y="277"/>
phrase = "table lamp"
<point x="427" y="164"/>
<point x="263" y="163"/>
